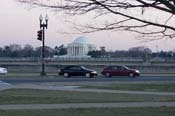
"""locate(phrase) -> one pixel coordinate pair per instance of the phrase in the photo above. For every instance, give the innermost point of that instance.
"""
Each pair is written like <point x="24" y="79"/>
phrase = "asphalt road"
<point x="84" y="79"/>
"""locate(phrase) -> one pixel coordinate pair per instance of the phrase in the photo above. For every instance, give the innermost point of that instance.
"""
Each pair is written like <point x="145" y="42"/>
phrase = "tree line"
<point x="28" y="51"/>
<point x="132" y="54"/>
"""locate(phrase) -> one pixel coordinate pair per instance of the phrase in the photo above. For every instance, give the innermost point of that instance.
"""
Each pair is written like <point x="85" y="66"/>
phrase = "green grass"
<point x="30" y="96"/>
<point x="161" y="87"/>
<point x="161" y="111"/>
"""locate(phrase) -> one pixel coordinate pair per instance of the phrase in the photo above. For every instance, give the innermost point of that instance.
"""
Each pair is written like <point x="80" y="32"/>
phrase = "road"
<point x="22" y="80"/>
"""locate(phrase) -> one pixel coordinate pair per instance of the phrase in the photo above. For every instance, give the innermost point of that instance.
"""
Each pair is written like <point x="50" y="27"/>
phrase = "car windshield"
<point x="126" y="67"/>
<point x="75" y="68"/>
<point x="83" y="67"/>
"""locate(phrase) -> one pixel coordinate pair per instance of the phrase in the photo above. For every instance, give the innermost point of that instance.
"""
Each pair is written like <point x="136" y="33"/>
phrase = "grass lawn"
<point x="161" y="111"/>
<point x="28" y="96"/>
<point x="161" y="87"/>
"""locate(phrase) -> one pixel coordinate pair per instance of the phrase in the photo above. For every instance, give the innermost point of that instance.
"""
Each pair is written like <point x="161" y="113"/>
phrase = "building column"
<point x="70" y="50"/>
<point x="78" y="50"/>
<point x="82" y="50"/>
<point x="75" y="50"/>
<point x="73" y="53"/>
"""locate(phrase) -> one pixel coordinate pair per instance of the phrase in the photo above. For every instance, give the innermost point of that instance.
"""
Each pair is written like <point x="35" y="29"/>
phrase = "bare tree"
<point x="151" y="18"/>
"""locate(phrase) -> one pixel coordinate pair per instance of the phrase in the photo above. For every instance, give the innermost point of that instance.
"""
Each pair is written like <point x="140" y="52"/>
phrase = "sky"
<point x="19" y="25"/>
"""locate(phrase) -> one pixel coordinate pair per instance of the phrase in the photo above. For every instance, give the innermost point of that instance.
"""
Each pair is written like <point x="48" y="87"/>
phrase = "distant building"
<point x="79" y="47"/>
<point x="141" y="49"/>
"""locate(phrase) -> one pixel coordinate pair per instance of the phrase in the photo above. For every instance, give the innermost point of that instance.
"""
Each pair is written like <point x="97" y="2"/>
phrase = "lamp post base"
<point x="43" y="74"/>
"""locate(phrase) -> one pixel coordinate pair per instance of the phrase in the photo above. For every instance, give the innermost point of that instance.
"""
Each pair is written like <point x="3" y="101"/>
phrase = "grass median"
<point x="160" y="111"/>
<point x="31" y="96"/>
<point x="157" y="87"/>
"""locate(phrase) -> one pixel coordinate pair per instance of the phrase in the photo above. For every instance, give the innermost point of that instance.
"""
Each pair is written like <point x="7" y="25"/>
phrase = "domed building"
<point x="80" y="47"/>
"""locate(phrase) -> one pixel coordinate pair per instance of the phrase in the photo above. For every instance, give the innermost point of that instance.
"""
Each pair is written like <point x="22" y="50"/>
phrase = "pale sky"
<point x="19" y="24"/>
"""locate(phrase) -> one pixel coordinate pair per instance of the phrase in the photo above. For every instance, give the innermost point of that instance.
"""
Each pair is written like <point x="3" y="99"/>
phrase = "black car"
<point x="76" y="70"/>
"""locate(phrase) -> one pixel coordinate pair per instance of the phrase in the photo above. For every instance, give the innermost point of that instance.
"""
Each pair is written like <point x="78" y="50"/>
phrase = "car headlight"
<point x="137" y="71"/>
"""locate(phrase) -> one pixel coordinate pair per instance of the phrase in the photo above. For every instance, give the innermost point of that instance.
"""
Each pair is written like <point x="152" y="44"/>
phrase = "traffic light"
<point x="39" y="35"/>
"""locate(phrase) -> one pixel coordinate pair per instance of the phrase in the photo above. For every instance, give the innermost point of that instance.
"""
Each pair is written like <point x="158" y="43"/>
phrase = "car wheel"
<point x="66" y="75"/>
<point x="88" y="75"/>
<point x="108" y="75"/>
<point x="131" y="75"/>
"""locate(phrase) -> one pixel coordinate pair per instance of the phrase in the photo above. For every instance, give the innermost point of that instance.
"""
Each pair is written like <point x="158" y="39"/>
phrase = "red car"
<point x="110" y="71"/>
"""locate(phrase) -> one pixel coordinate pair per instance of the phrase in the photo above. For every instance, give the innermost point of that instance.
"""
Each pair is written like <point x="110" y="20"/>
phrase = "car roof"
<point x="73" y="66"/>
<point x="115" y="66"/>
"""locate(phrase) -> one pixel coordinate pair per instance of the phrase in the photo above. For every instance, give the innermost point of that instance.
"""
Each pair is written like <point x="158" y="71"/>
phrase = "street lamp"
<point x="43" y="26"/>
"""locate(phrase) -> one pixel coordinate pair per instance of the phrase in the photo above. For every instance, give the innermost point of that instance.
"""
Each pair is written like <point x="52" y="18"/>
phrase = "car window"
<point x="82" y="67"/>
<point x="115" y="68"/>
<point x="119" y="68"/>
<point x="109" y="67"/>
<point x="123" y="68"/>
<point x="75" y="68"/>
<point x="126" y="68"/>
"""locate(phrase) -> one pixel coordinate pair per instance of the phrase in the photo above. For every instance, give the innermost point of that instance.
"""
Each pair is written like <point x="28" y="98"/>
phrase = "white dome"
<point x="81" y="40"/>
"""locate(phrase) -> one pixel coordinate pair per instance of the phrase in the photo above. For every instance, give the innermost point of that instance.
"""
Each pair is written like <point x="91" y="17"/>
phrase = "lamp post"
<point x="43" y="26"/>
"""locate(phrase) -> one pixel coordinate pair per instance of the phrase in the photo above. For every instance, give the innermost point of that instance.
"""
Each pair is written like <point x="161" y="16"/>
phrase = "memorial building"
<point x="80" y="48"/>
